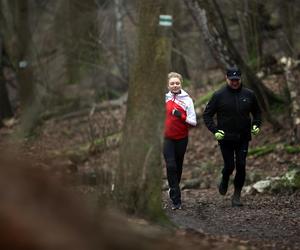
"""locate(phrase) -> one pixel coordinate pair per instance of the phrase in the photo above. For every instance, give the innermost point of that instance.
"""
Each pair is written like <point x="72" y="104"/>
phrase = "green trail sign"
<point x="165" y="20"/>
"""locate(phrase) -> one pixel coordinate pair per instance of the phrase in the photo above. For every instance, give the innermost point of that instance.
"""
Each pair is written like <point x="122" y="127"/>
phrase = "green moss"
<point x="293" y="166"/>
<point x="292" y="178"/>
<point x="292" y="149"/>
<point x="81" y="152"/>
<point x="289" y="182"/>
<point x="259" y="151"/>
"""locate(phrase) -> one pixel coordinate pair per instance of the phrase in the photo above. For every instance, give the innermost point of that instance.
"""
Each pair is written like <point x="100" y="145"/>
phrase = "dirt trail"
<point x="265" y="222"/>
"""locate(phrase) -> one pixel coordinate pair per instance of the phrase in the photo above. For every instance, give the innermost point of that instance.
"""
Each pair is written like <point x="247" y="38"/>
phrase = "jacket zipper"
<point x="237" y="109"/>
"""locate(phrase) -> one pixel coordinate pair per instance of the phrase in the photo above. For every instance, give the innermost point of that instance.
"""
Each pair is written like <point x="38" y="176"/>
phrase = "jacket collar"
<point x="181" y="94"/>
<point x="234" y="90"/>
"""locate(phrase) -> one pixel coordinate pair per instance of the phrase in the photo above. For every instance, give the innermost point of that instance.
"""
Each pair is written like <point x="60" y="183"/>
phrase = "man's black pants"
<point x="174" y="151"/>
<point x="234" y="155"/>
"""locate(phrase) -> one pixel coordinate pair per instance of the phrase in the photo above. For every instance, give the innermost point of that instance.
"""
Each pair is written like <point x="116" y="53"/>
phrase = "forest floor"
<point x="266" y="221"/>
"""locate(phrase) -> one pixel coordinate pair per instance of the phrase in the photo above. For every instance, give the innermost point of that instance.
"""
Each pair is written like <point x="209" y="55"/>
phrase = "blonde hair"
<point x="175" y="75"/>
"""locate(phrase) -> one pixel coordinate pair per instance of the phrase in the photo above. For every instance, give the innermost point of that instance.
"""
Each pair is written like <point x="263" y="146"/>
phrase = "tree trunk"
<point x="178" y="61"/>
<point x="139" y="175"/>
<point x="21" y="54"/>
<point x="292" y="76"/>
<point x="17" y="42"/>
<point x="17" y="39"/>
<point x="75" y="25"/>
<point x="25" y="64"/>
<point x="252" y="22"/>
<point x="223" y="50"/>
<point x="5" y="107"/>
<point x="71" y="39"/>
<point x="122" y="59"/>
<point x="287" y="12"/>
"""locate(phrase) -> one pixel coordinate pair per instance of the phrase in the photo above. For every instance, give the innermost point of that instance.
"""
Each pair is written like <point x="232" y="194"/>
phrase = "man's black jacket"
<point x="233" y="108"/>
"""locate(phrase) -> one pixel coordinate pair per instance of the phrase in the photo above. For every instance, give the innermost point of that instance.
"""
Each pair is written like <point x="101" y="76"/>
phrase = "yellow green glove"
<point x="255" y="130"/>
<point x="219" y="135"/>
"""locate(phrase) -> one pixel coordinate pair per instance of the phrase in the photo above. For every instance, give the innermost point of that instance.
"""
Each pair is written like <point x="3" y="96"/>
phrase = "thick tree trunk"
<point x="15" y="24"/>
<point x="21" y="53"/>
<point x="139" y="175"/>
<point x="226" y="55"/>
<point x="25" y="64"/>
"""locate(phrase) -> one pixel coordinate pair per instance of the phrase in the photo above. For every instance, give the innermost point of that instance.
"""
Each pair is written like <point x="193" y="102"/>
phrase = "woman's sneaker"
<point x="176" y="206"/>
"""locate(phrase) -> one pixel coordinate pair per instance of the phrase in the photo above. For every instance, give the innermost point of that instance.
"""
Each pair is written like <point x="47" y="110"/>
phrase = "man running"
<point x="233" y="104"/>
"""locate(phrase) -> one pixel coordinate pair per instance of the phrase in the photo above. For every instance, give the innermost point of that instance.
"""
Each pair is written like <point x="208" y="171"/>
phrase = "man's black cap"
<point x="233" y="73"/>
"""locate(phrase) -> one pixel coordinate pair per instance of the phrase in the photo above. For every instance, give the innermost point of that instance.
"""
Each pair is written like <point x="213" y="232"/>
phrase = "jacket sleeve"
<point x="209" y="112"/>
<point x="256" y="112"/>
<point x="191" y="114"/>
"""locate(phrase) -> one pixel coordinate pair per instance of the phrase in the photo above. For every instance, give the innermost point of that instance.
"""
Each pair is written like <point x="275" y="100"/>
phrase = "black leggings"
<point x="234" y="155"/>
<point x="174" y="151"/>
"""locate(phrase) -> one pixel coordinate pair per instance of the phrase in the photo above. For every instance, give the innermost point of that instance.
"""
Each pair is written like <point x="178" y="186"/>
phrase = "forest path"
<point x="264" y="222"/>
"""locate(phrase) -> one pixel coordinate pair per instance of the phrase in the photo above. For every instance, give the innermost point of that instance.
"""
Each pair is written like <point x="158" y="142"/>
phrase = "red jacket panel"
<point x="177" y="128"/>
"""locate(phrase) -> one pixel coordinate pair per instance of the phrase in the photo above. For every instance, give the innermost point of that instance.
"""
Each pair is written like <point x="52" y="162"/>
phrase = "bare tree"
<point x="223" y="50"/>
<point x="138" y="178"/>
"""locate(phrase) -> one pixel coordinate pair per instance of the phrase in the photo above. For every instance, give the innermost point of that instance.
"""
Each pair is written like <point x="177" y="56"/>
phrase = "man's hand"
<point x="176" y="113"/>
<point x="255" y="130"/>
<point x="219" y="135"/>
